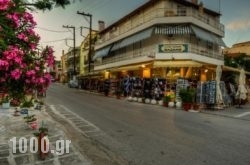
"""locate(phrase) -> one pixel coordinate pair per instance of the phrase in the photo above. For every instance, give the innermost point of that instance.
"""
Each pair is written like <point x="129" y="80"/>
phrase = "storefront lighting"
<point x="206" y="70"/>
<point x="143" y="66"/>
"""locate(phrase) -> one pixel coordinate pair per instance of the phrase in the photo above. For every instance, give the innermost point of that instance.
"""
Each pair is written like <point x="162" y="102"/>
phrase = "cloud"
<point x="238" y="25"/>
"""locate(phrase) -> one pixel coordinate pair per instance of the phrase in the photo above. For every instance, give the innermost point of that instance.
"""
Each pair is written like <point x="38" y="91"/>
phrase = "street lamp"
<point x="90" y="36"/>
<point x="74" y="47"/>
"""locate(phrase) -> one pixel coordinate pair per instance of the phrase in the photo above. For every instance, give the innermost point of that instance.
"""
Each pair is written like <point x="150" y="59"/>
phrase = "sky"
<point x="235" y="17"/>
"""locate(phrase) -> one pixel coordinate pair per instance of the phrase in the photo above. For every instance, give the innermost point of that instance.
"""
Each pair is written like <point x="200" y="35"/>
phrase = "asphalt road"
<point x="154" y="135"/>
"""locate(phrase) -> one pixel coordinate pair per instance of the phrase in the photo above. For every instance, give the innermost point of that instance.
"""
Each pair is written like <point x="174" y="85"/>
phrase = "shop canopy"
<point x="177" y="64"/>
<point x="135" y="38"/>
<point x="102" y="52"/>
<point x="208" y="36"/>
<point x="188" y="29"/>
<point x="173" y="29"/>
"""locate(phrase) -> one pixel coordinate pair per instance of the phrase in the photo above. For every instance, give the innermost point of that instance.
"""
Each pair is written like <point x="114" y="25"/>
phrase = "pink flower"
<point x="30" y="73"/>
<point x="23" y="37"/>
<point x="37" y="68"/>
<point x="40" y="80"/>
<point x="15" y="18"/>
<point x="4" y="4"/>
<point x="27" y="81"/>
<point x="4" y="64"/>
<point x="32" y="46"/>
<point x="29" y="18"/>
<point x="18" y="60"/>
<point x="15" y="74"/>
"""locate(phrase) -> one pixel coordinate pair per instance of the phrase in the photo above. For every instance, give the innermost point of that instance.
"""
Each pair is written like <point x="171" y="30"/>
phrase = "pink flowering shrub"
<point x="22" y="69"/>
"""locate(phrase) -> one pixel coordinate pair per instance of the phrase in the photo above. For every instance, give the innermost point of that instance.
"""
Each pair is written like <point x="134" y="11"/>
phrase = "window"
<point x="209" y="45"/>
<point x="181" y="11"/>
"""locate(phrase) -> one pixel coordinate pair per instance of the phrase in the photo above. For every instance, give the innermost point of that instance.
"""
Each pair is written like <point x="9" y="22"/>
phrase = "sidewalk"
<point x="15" y="126"/>
<point x="233" y="112"/>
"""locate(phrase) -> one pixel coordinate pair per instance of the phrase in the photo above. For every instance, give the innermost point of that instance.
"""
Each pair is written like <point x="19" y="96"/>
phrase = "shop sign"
<point x="173" y="48"/>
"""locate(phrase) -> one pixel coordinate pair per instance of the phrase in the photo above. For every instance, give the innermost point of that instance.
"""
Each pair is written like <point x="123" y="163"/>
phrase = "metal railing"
<point x="147" y="51"/>
<point x="164" y="13"/>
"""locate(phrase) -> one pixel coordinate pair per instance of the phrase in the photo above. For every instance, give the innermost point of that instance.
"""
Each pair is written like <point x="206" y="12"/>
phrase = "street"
<point x="154" y="135"/>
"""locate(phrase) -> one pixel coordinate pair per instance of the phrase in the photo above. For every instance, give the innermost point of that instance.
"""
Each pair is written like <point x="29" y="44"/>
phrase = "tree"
<point x="45" y="4"/>
<point x="21" y="67"/>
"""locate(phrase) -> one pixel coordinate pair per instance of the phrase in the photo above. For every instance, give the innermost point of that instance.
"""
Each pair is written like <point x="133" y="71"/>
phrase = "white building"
<point x="162" y="38"/>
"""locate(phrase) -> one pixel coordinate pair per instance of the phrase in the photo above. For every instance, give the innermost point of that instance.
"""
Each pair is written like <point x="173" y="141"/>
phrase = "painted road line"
<point x="242" y="114"/>
<point x="86" y="127"/>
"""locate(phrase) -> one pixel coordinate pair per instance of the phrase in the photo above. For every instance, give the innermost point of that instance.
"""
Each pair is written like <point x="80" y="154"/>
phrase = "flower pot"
<point x="147" y="101"/>
<point x="178" y="105"/>
<point x="153" y="101"/>
<point x="160" y="102"/>
<point x="196" y="106"/>
<point x="135" y="99"/>
<point x="6" y="105"/>
<point x="165" y="104"/>
<point x="130" y="98"/>
<point x="171" y="104"/>
<point x="186" y="106"/>
<point x="140" y="100"/>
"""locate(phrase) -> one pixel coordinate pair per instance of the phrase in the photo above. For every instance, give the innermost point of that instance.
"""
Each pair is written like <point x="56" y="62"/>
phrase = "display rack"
<point x="180" y="84"/>
<point x="113" y="86"/>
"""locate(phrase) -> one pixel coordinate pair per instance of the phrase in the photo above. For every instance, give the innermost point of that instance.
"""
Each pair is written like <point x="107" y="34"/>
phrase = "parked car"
<point x="73" y="84"/>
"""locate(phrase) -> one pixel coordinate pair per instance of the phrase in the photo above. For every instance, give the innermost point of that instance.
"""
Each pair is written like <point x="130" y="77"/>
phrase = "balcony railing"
<point x="163" y="13"/>
<point x="203" y="51"/>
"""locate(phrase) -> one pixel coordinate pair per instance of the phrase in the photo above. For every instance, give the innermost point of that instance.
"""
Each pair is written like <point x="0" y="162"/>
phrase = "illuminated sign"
<point x="173" y="48"/>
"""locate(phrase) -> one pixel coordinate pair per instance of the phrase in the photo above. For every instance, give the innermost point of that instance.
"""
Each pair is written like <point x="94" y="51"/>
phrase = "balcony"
<point x="162" y="15"/>
<point x="147" y="51"/>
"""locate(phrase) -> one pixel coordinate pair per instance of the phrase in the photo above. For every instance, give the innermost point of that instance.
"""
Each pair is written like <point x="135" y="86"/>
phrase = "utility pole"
<point x="74" y="47"/>
<point x="90" y="36"/>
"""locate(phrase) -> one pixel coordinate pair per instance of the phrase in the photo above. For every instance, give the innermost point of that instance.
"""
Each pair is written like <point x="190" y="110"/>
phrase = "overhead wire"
<point x="55" y="31"/>
<point x="53" y="41"/>
<point x="91" y="6"/>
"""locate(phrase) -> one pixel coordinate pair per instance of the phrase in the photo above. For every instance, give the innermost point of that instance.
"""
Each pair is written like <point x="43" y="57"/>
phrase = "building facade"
<point x="71" y="63"/>
<point x="63" y="77"/>
<point x="238" y="49"/>
<point x="162" y="38"/>
<point x="86" y="66"/>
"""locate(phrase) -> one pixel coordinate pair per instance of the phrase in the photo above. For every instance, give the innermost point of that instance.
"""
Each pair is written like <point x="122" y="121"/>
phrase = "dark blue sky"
<point x="235" y="17"/>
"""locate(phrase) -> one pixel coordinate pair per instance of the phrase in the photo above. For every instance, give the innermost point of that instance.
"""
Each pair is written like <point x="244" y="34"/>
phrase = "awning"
<point x="131" y="67"/>
<point x="136" y="37"/>
<point x="116" y="46"/>
<point x="219" y="41"/>
<point x="202" y="34"/>
<point x="205" y="35"/>
<point x="170" y="29"/>
<point x="102" y="52"/>
<point x="177" y="64"/>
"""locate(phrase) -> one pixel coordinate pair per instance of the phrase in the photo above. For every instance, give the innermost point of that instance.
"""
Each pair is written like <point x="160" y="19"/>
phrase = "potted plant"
<point x="29" y="118"/>
<point x="15" y="102"/>
<point x="27" y="104"/>
<point x="166" y="100"/>
<point x="187" y="97"/>
<point x="41" y="135"/>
